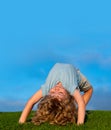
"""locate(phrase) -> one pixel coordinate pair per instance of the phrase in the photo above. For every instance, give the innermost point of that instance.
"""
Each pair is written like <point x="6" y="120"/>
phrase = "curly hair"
<point x="54" y="111"/>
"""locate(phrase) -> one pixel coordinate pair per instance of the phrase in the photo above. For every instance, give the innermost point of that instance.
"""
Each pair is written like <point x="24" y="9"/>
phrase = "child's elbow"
<point x="81" y="104"/>
<point x="31" y="102"/>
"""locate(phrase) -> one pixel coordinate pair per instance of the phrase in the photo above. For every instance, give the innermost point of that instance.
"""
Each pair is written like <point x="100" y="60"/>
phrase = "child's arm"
<point x="81" y="107"/>
<point x="34" y="99"/>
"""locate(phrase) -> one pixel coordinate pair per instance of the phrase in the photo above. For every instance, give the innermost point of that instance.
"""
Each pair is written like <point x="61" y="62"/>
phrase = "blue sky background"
<point x="34" y="35"/>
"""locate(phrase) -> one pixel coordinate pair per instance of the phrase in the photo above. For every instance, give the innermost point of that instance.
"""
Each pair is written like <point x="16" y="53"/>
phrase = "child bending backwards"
<point x="61" y="101"/>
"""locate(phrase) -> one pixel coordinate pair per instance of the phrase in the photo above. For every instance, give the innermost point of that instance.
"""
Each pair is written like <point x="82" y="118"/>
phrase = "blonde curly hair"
<point x="54" y="111"/>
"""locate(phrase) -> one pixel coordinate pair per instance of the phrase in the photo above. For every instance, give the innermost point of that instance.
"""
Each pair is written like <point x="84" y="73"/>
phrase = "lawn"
<point x="95" y="120"/>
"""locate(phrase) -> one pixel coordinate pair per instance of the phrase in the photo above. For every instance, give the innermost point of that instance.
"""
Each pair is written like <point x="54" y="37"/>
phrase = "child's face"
<point x="58" y="91"/>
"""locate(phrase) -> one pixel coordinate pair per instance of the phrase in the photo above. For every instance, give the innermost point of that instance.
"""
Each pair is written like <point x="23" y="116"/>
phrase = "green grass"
<point x="95" y="120"/>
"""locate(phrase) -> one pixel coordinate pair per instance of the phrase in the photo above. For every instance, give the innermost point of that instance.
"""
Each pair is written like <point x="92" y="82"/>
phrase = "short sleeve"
<point x="44" y="89"/>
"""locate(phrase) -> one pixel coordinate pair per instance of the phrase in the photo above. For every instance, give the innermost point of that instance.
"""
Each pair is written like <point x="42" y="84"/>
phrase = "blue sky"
<point x="34" y="35"/>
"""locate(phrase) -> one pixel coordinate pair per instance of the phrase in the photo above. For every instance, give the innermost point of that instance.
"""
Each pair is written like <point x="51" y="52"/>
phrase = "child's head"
<point x="55" y="111"/>
<point x="59" y="92"/>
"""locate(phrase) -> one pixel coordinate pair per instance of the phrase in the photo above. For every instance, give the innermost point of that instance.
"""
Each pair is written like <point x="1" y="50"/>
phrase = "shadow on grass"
<point x="87" y="115"/>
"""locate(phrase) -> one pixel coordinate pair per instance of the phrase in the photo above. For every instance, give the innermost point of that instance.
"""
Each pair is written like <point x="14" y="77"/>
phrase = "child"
<point x="59" y="94"/>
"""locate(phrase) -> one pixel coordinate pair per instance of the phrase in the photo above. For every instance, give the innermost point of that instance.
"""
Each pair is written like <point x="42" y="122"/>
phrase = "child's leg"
<point x="87" y="95"/>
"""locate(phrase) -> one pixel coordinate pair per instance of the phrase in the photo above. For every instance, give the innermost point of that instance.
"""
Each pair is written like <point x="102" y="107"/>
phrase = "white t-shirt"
<point x="66" y="74"/>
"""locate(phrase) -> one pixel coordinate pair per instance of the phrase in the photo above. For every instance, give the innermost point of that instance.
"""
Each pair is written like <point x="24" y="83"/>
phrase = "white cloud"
<point x="11" y="105"/>
<point x="101" y="100"/>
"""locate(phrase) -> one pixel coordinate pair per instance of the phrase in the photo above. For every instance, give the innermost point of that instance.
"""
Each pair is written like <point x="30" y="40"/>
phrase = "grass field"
<point x="95" y="120"/>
